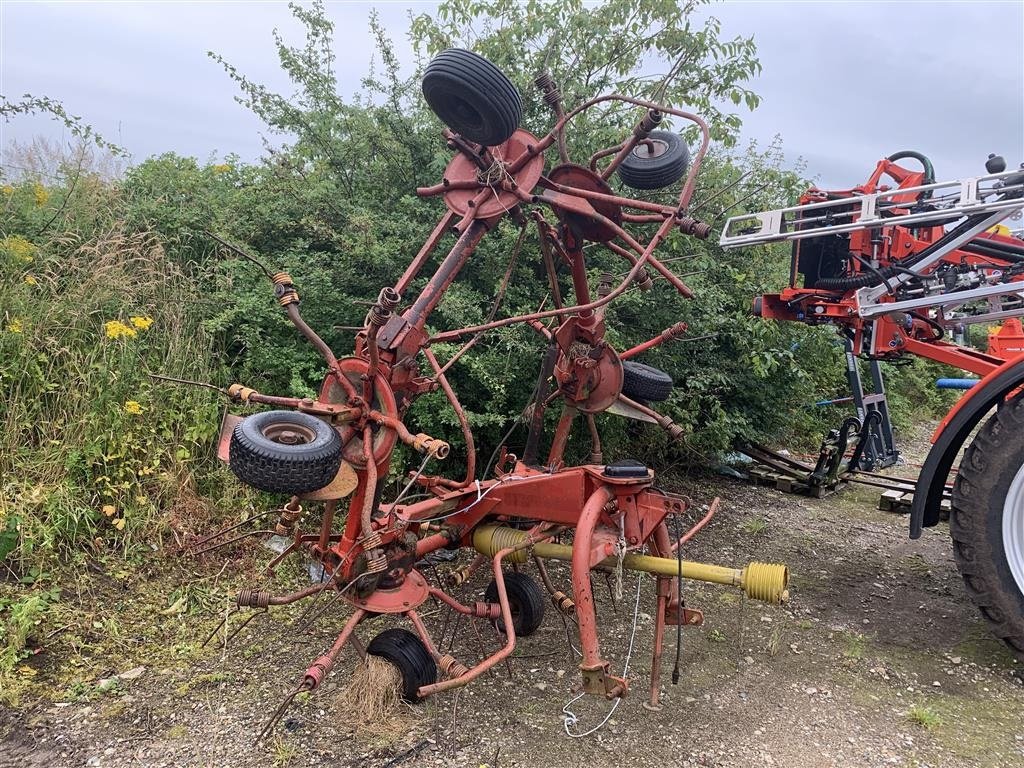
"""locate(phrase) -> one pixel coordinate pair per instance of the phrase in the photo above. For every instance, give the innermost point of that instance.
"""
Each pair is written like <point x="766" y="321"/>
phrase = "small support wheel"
<point x="406" y="651"/>
<point x="644" y="382"/>
<point x="472" y="97"/>
<point x="659" y="161"/>
<point x="525" y="599"/>
<point x="284" y="452"/>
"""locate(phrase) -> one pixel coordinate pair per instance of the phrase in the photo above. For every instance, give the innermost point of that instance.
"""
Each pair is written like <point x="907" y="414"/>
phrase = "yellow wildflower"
<point x="18" y="248"/>
<point x="109" y="510"/>
<point x="133" y="407"/>
<point x="7" y="189"/>
<point x="15" y="326"/>
<point x="40" y="194"/>
<point x="119" y="523"/>
<point x="29" y="280"/>
<point x="141" y="322"/>
<point x="115" y="329"/>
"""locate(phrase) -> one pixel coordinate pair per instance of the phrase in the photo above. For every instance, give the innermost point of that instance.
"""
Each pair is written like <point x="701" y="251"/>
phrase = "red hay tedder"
<point x="530" y="509"/>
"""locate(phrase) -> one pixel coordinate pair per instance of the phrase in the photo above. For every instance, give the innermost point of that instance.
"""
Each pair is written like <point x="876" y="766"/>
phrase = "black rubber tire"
<point x="407" y="652"/>
<point x="989" y="465"/>
<point x="644" y="383"/>
<point x="472" y="96"/>
<point x="526" y="600"/>
<point x="279" y="467"/>
<point x="641" y="170"/>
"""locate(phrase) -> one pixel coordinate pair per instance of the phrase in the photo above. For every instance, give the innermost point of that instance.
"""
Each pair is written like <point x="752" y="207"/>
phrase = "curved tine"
<point x="244" y="624"/>
<point x="326" y="607"/>
<point x="305" y="685"/>
<point x="309" y="608"/>
<point x="203" y="551"/>
<point x="230" y="528"/>
<point x="222" y="623"/>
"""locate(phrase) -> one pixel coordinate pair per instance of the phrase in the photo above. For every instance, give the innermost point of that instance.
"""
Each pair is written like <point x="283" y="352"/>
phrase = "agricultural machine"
<point x="903" y="270"/>
<point x="330" y="453"/>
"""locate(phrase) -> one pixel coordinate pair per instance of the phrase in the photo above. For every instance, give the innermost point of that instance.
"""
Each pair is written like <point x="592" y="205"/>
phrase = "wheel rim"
<point x="650" y="148"/>
<point x="1013" y="528"/>
<point x="289" y="434"/>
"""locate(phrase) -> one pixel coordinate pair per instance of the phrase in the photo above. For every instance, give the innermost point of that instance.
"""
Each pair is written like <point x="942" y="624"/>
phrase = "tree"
<point x="652" y="49"/>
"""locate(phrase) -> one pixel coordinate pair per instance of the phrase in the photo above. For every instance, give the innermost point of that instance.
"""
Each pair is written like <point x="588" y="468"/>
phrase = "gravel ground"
<point x="879" y="659"/>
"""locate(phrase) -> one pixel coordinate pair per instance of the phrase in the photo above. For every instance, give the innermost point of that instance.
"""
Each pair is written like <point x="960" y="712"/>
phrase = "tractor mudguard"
<point x="952" y="433"/>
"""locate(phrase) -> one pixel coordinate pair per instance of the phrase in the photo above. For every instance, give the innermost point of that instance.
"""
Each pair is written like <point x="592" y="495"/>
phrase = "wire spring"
<point x="288" y="520"/>
<point x="451" y="667"/>
<point x="563" y="603"/>
<point x="552" y="94"/>
<point x="370" y="541"/>
<point x="253" y="598"/>
<point x="643" y="280"/>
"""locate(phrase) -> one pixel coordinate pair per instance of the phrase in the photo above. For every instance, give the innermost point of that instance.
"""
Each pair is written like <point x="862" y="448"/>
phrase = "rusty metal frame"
<point x="370" y="563"/>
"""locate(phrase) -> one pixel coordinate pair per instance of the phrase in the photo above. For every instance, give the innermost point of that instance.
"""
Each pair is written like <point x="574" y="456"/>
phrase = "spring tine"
<point x="230" y="528"/>
<point x="326" y="607"/>
<point x="298" y="623"/>
<point x="305" y="685"/>
<point x="203" y="551"/>
<point x="244" y="624"/>
<point x="223" y="623"/>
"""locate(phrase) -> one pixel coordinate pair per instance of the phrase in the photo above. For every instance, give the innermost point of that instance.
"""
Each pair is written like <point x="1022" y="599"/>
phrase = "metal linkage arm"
<point x="950" y="200"/>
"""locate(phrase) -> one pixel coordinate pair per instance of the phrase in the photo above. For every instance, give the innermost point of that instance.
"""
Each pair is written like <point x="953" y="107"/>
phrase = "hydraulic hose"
<point x="929" y="169"/>
<point x="995" y="250"/>
<point x="872" y="278"/>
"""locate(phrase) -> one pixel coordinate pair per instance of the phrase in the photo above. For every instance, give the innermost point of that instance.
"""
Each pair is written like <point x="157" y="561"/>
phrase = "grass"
<point x="854" y="646"/>
<point x="754" y="526"/>
<point x="96" y="461"/>
<point x="91" y="450"/>
<point x="924" y="716"/>
<point x="210" y="678"/>
<point x="285" y="751"/>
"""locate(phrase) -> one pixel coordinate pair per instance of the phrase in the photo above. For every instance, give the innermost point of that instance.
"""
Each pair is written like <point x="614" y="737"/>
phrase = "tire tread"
<point x="973" y="516"/>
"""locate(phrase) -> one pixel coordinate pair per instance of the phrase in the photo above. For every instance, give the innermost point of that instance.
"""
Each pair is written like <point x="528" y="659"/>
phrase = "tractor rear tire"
<point x="407" y="652"/>
<point x="526" y="600"/>
<point x="472" y="97"/>
<point x="662" y="167"/>
<point x="987" y="522"/>
<point x="645" y="383"/>
<point x="284" y="452"/>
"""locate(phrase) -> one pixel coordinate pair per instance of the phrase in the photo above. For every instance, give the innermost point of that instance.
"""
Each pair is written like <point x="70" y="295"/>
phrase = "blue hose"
<point x="956" y="383"/>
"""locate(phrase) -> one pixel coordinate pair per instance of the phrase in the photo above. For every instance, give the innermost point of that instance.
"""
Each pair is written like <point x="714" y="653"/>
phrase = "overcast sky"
<point x="843" y="83"/>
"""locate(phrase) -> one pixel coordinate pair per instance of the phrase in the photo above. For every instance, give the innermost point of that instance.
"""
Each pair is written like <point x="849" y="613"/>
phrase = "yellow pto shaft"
<point x="760" y="581"/>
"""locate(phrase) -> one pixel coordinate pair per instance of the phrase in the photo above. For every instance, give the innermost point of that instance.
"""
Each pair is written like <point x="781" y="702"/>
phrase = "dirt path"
<point x="878" y="660"/>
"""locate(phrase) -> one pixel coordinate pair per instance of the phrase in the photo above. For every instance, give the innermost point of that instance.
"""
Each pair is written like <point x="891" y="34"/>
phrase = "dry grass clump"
<point x="372" y="705"/>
